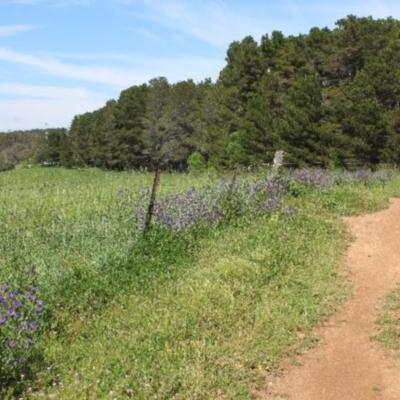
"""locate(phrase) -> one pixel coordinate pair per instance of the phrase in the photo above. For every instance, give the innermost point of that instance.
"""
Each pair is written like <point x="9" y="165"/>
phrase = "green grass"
<point x="58" y="219"/>
<point x="188" y="317"/>
<point x="205" y="335"/>
<point x="388" y="322"/>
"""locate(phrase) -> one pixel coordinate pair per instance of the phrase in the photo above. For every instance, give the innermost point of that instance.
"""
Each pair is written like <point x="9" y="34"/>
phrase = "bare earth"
<point x="347" y="365"/>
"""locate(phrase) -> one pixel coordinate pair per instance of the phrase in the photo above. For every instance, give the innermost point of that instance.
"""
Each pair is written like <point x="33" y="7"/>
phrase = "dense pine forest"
<point x="329" y="98"/>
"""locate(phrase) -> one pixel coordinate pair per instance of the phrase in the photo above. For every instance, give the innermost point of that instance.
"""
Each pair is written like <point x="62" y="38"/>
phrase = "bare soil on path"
<point x="347" y="365"/>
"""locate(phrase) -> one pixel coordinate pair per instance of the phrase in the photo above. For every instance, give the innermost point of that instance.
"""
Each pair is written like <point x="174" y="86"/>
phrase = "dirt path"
<point x="347" y="365"/>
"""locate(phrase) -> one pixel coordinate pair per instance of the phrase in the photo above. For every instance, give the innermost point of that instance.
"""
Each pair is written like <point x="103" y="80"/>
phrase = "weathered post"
<point x="278" y="162"/>
<point x="150" y="209"/>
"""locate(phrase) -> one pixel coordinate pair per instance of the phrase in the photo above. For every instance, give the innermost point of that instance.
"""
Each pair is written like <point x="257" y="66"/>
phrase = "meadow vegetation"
<point x="387" y="331"/>
<point x="232" y="276"/>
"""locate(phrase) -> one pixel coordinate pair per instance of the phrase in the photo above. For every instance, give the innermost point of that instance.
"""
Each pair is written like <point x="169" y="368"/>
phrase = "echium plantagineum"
<point x="181" y="211"/>
<point x="211" y="204"/>
<point x="20" y="315"/>
<point x="313" y="177"/>
<point x="366" y="176"/>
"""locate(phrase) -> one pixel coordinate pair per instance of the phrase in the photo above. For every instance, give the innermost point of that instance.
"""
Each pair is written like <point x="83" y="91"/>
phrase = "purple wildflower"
<point x="29" y="344"/>
<point x="23" y="326"/>
<point x="18" y="304"/>
<point x="12" y="313"/>
<point x="33" y="325"/>
<point x="39" y="309"/>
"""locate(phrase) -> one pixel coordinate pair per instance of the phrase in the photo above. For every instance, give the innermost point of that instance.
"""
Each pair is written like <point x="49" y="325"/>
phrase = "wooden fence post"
<point x="278" y="162"/>
<point x="150" y="209"/>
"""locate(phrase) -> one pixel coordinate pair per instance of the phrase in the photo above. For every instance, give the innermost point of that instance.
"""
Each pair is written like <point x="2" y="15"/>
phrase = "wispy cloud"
<point x="41" y="106"/>
<point x="219" y="22"/>
<point x="8" y="30"/>
<point x="49" y="92"/>
<point x="137" y="70"/>
<point x="25" y="106"/>
<point x="52" y="66"/>
<point x="215" y="22"/>
<point x="320" y="13"/>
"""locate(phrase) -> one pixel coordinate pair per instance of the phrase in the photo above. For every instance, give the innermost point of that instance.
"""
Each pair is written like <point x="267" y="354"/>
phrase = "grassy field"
<point x="201" y="313"/>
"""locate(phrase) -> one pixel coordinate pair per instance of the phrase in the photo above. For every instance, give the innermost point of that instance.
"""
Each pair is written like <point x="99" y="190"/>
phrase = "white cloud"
<point x="213" y="21"/>
<point x="324" y="13"/>
<point x="29" y="106"/>
<point x="7" y="30"/>
<point x="49" y="92"/>
<point x="139" y="69"/>
<point x="44" y="106"/>
<point x="51" y="66"/>
<point x="219" y="22"/>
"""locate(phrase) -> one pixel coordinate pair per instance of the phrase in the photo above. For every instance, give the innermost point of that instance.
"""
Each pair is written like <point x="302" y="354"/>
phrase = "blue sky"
<point x="59" y="58"/>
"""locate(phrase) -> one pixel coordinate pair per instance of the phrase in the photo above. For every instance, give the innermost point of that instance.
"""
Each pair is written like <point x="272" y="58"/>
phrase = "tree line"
<point x="330" y="97"/>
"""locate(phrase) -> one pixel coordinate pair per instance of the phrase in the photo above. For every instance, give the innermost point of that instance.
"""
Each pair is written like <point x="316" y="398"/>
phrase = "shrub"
<point x="196" y="163"/>
<point x="7" y="161"/>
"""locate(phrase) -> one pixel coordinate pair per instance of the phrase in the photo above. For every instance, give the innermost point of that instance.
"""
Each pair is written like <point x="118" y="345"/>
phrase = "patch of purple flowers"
<point x="20" y="312"/>
<point x="313" y="177"/>
<point x="212" y="203"/>
<point x="365" y="175"/>
<point x="324" y="179"/>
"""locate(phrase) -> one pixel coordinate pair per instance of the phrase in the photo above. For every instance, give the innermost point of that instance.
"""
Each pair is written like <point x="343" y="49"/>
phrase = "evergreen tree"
<point x="82" y="131"/>
<point x="128" y="139"/>
<point x="215" y="124"/>
<point x="391" y="150"/>
<point x="242" y="74"/>
<point x="66" y="153"/>
<point x="53" y="146"/>
<point x="258" y="136"/>
<point x="362" y="121"/>
<point x="180" y="115"/>
<point x="154" y="121"/>
<point x="105" y="151"/>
